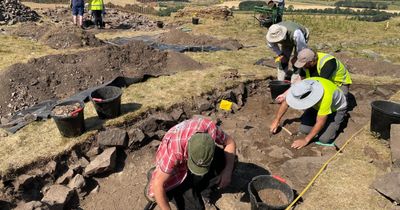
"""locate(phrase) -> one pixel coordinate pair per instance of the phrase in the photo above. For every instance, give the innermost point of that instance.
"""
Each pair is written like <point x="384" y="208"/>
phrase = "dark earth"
<point x="60" y="76"/>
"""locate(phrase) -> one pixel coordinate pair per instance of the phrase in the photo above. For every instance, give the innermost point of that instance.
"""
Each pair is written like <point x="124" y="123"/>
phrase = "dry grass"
<point x="41" y="140"/>
<point x="27" y="49"/>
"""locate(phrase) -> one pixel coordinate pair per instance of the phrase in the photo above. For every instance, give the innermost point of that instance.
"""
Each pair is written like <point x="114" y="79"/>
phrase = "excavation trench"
<point x="122" y="186"/>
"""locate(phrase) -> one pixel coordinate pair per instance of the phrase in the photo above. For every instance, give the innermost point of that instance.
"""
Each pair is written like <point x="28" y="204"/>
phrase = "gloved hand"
<point x="281" y="58"/>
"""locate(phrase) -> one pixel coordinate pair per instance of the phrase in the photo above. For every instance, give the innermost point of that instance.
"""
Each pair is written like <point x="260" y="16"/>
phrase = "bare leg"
<point x="80" y="19"/>
<point x="74" y="19"/>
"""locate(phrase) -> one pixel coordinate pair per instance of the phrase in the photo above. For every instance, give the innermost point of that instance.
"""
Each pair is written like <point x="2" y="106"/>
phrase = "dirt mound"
<point x="179" y="37"/>
<point x="58" y="37"/>
<point x="205" y="12"/>
<point x="60" y="76"/>
<point x="114" y="19"/>
<point x="12" y="11"/>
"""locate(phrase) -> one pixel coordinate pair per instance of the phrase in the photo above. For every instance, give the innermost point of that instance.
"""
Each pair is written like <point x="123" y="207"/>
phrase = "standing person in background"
<point x="97" y="8"/>
<point x="77" y="7"/>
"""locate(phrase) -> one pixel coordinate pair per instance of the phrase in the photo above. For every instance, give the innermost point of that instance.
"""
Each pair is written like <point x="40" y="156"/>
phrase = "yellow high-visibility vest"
<point x="96" y="5"/>
<point x="340" y="77"/>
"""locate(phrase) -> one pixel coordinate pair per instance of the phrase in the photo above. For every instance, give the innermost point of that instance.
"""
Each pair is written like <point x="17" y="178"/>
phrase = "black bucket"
<point x="195" y="20"/>
<point x="107" y="101"/>
<point x="278" y="87"/>
<point x="383" y="114"/>
<point x="70" y="126"/>
<point x="267" y="182"/>
<point x="160" y="24"/>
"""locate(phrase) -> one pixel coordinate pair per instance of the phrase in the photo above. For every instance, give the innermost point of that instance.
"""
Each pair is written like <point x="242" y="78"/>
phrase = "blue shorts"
<point x="77" y="10"/>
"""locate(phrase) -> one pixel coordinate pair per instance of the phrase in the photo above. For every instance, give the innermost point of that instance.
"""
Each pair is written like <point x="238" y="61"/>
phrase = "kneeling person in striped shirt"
<point x="189" y="162"/>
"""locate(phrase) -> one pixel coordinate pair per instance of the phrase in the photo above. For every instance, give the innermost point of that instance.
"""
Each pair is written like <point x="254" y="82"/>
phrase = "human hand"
<point x="224" y="178"/>
<point x="299" y="143"/>
<point x="279" y="99"/>
<point x="274" y="126"/>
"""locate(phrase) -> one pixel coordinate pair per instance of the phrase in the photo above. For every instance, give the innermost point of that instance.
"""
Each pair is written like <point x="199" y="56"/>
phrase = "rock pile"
<point x="12" y="11"/>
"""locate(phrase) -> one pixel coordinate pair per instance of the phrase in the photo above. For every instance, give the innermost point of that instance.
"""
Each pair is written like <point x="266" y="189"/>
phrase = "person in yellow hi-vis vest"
<point x="317" y="64"/>
<point x="97" y="8"/>
<point x="324" y="106"/>
<point x="313" y="64"/>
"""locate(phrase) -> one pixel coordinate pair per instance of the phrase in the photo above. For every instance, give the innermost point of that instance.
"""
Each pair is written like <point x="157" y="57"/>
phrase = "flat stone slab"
<point x="104" y="162"/>
<point x="113" y="137"/>
<point x="389" y="185"/>
<point x="395" y="144"/>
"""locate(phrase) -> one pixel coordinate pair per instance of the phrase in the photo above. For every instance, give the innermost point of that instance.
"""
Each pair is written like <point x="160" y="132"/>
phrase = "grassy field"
<point x="29" y="145"/>
<point x="27" y="49"/>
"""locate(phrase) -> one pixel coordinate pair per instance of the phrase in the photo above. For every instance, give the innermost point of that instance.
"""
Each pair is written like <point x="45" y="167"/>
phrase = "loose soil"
<point x="60" y="76"/>
<point x="178" y="37"/>
<point x="57" y="36"/>
<point x="66" y="110"/>
<point x="273" y="197"/>
<point x="258" y="153"/>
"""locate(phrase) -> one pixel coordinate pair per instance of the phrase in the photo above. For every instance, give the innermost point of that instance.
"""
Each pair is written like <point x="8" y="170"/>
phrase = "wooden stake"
<point x="287" y="131"/>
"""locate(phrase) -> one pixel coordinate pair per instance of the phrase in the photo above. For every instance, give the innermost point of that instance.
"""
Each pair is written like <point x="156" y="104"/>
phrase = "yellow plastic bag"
<point x="225" y="105"/>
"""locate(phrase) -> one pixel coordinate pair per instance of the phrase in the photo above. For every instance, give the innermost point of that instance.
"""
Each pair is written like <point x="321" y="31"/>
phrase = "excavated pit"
<point x="248" y="124"/>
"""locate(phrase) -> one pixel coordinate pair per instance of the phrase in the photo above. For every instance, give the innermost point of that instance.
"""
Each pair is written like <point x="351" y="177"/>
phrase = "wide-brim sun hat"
<point x="305" y="94"/>
<point x="201" y="149"/>
<point x="276" y="33"/>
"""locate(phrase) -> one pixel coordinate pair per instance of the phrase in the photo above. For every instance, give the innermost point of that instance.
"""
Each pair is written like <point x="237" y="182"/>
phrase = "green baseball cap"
<point x="201" y="153"/>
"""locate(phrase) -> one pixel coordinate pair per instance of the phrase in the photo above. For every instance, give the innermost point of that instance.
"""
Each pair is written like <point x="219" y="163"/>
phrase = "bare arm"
<point x="159" y="191"/>
<point x="230" y="152"/>
<point x="281" y="111"/>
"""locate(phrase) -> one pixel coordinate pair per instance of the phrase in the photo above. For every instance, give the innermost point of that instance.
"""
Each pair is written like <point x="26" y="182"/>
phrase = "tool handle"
<point x="97" y="99"/>
<point x="76" y="111"/>
<point x="279" y="178"/>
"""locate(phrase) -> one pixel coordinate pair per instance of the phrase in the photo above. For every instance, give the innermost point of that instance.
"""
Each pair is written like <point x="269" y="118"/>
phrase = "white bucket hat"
<point x="276" y="33"/>
<point x="305" y="94"/>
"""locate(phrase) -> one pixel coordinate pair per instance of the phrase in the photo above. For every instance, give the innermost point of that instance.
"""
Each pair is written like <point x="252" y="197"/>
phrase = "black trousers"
<point x="98" y="19"/>
<point x="188" y="195"/>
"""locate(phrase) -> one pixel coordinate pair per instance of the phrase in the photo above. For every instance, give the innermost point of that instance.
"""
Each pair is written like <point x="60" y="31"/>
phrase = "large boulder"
<point x="114" y="137"/>
<point x="105" y="162"/>
<point x="58" y="196"/>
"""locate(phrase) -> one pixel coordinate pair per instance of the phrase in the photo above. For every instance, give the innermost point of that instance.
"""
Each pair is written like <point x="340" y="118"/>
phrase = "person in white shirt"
<point x="283" y="38"/>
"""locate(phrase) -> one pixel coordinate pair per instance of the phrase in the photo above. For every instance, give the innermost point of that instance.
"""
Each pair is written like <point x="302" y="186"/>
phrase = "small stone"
<point x="65" y="178"/>
<point x="94" y="151"/>
<point x="77" y="182"/>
